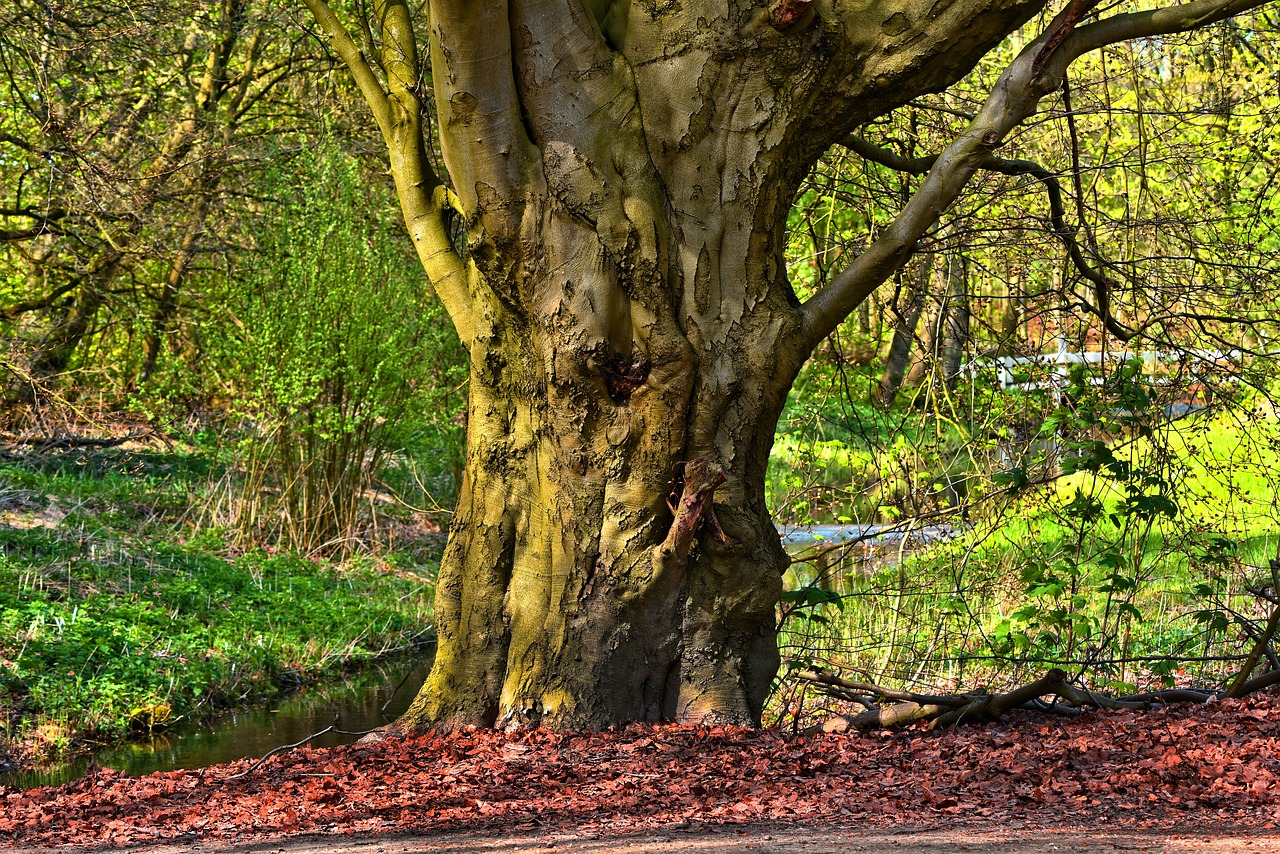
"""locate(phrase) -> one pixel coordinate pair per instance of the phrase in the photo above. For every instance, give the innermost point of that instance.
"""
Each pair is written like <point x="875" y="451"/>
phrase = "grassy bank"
<point x="1092" y="571"/>
<point x="117" y="613"/>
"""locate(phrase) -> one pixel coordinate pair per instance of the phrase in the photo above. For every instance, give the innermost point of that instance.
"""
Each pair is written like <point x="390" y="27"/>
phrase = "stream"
<point x="357" y="704"/>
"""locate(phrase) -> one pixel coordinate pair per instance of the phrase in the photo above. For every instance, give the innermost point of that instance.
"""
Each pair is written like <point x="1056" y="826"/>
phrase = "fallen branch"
<point x="844" y="689"/>
<point x="332" y="728"/>
<point x="60" y="443"/>
<point x="941" y="711"/>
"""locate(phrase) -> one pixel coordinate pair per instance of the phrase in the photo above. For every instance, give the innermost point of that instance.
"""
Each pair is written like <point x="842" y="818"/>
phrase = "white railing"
<point x="1057" y="380"/>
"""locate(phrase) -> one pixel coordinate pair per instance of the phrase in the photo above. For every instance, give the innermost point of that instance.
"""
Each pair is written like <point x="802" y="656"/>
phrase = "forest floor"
<point x="1184" y="778"/>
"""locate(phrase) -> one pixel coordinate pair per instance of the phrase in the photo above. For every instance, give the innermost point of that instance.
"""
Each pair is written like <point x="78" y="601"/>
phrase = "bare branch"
<point x="1057" y="218"/>
<point x="1012" y="100"/>
<point x="340" y="40"/>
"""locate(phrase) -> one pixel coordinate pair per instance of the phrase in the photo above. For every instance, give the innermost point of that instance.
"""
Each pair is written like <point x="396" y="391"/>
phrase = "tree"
<point x="608" y="241"/>
<point x="128" y="132"/>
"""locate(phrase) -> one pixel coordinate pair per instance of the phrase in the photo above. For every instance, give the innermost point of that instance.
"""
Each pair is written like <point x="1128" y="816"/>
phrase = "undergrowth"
<point x="117" y="615"/>
<point x="1129" y="548"/>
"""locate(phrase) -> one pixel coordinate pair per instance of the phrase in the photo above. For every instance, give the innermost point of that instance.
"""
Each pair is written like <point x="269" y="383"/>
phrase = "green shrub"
<point x="339" y="357"/>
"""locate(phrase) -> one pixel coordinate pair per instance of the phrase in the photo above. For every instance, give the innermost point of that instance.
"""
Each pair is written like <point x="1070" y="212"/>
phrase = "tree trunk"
<point x="631" y="328"/>
<point x="611" y="557"/>
<point x="904" y="333"/>
<point x="624" y="173"/>
<point x="167" y="303"/>
<point x="956" y="314"/>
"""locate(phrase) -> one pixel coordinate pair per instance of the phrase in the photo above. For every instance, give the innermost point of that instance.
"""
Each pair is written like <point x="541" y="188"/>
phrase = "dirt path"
<point x="762" y="839"/>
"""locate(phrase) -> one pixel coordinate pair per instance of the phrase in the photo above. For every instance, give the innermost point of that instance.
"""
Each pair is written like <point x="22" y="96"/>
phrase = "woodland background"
<point x="232" y="407"/>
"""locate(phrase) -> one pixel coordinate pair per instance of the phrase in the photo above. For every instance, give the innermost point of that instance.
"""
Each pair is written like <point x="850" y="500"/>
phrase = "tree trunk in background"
<point x="1010" y="319"/>
<point x="167" y="305"/>
<point x="904" y="333"/>
<point x="956" y="319"/>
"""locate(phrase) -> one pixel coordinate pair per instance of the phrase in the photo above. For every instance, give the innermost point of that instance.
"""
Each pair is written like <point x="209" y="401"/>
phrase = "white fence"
<point x="1055" y="378"/>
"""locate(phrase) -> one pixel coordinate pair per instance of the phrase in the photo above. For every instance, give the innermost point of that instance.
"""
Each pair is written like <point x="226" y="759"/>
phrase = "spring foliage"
<point x="341" y="354"/>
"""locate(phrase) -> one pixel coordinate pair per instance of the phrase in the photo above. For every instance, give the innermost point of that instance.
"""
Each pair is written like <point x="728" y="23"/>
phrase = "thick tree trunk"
<point x="624" y="172"/>
<point x="625" y="183"/>
<point x="611" y="557"/>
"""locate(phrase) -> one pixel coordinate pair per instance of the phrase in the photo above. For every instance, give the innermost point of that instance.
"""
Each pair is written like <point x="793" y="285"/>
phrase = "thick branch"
<point x="342" y="44"/>
<point x="483" y="138"/>
<point x="1153" y="22"/>
<point x="1015" y="97"/>
<point x="565" y="72"/>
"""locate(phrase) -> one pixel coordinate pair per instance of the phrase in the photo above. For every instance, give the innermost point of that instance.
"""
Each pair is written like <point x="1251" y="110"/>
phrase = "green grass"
<point x="116" y="615"/>
<point x="1092" y="569"/>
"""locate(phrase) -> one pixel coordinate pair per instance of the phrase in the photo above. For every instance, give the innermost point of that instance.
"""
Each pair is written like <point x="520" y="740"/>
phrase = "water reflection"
<point x="835" y="558"/>
<point x="355" y="705"/>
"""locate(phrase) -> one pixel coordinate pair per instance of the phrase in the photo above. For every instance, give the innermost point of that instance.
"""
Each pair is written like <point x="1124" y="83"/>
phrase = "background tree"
<point x="624" y="173"/>
<point x="129" y="147"/>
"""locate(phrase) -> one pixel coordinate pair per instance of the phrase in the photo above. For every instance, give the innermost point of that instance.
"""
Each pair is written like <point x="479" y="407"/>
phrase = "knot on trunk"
<point x="788" y="15"/>
<point x="623" y="376"/>
<point x="690" y="503"/>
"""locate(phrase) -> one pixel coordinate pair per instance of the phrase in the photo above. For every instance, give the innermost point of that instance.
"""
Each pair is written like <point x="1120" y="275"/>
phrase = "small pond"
<point x="365" y="701"/>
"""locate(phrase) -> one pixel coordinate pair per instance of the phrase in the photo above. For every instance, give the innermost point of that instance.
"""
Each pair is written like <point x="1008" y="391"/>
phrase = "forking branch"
<point x="1032" y="75"/>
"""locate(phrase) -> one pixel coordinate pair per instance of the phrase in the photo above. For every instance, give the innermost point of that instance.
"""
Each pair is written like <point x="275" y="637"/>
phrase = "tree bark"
<point x="904" y="335"/>
<point x="955" y="314"/>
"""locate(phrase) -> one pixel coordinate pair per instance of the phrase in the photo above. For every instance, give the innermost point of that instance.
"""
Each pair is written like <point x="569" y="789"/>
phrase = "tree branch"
<point x="10" y="312"/>
<point x="1012" y="100"/>
<point x="1057" y="217"/>
<point x="1153" y="22"/>
<point x="482" y="134"/>
<point x="701" y="480"/>
<point x="944" y="711"/>
<point x="340" y="40"/>
<point x="398" y="110"/>
<point x="1261" y="644"/>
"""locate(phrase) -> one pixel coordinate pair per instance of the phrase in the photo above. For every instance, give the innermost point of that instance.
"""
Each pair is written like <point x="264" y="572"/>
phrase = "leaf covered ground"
<point x="1210" y="766"/>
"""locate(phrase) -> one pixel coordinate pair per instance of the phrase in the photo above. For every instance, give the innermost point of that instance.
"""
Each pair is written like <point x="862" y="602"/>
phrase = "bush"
<point x="340" y="357"/>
